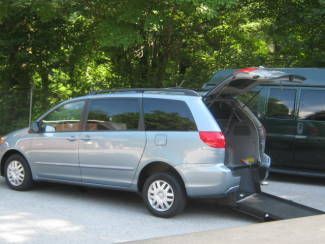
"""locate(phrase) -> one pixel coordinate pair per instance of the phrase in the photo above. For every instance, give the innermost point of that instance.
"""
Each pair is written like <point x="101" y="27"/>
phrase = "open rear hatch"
<point x="240" y="81"/>
<point x="244" y="133"/>
<point x="250" y="199"/>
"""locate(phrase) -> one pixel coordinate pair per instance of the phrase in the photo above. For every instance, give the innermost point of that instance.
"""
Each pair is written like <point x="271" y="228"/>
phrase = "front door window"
<point x="310" y="140"/>
<point x="66" y="118"/>
<point x="312" y="105"/>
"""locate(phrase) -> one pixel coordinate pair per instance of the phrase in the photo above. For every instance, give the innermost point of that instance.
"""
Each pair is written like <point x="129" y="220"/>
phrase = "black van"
<point x="294" y="118"/>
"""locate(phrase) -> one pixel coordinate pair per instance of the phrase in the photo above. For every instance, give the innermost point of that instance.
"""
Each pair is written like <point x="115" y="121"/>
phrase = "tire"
<point x="22" y="180"/>
<point x="169" y="207"/>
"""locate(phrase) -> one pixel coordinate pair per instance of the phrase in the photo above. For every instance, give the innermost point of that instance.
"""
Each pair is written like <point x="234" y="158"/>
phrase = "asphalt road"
<point x="66" y="214"/>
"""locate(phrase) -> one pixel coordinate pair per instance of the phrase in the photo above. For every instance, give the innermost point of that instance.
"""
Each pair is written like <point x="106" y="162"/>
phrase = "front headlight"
<point x="2" y="140"/>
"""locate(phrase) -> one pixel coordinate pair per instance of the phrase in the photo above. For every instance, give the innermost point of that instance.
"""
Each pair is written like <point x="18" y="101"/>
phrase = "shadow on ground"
<point x="130" y="200"/>
<point x="307" y="180"/>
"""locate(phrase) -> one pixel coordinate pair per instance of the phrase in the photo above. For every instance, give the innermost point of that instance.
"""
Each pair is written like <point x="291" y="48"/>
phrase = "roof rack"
<point x="175" y="91"/>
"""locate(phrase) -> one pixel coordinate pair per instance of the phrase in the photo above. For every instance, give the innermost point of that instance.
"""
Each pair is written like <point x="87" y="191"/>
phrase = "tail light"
<point x="246" y="70"/>
<point x="213" y="139"/>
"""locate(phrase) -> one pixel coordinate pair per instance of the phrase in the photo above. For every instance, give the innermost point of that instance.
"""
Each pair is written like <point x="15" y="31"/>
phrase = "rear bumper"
<point x="215" y="180"/>
<point x="208" y="180"/>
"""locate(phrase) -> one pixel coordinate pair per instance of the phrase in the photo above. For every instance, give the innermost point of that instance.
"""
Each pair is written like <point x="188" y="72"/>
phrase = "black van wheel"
<point x="17" y="173"/>
<point x="164" y="195"/>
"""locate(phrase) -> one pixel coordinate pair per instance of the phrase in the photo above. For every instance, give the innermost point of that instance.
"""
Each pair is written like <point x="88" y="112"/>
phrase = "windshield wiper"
<point x="252" y="98"/>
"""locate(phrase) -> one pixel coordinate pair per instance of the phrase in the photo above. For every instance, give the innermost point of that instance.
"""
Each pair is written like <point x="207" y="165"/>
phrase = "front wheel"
<point x="164" y="195"/>
<point x="17" y="173"/>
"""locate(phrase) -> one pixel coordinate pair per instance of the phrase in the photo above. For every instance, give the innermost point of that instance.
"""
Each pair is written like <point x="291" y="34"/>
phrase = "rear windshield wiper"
<point x="252" y="98"/>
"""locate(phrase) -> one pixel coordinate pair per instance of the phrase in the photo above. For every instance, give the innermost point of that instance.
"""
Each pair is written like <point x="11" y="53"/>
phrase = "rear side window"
<point x="281" y="103"/>
<point x="312" y="105"/>
<point x="167" y="115"/>
<point x="113" y="114"/>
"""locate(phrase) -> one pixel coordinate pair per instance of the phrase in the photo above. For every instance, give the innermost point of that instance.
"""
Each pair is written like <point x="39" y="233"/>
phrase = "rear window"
<point x="281" y="103"/>
<point x="312" y="105"/>
<point x="167" y="115"/>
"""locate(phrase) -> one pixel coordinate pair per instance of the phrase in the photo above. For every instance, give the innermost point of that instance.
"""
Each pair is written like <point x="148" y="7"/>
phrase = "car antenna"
<point x="181" y="85"/>
<point x="31" y="105"/>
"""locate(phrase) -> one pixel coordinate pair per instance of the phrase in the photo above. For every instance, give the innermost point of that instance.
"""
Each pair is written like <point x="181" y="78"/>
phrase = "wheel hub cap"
<point x="161" y="195"/>
<point x="15" y="173"/>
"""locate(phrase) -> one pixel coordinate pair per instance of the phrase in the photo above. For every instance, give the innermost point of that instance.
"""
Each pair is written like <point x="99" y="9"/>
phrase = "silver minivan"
<point x="167" y="144"/>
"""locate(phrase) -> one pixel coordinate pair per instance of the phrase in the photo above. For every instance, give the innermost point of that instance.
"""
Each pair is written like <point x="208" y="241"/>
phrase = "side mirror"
<point x="35" y="127"/>
<point x="49" y="129"/>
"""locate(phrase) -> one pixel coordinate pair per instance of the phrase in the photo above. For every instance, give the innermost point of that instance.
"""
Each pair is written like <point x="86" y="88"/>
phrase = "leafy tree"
<point x="65" y="48"/>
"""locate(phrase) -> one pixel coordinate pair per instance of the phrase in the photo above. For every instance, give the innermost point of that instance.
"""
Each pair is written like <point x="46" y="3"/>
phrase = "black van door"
<point x="310" y="139"/>
<point x="280" y="124"/>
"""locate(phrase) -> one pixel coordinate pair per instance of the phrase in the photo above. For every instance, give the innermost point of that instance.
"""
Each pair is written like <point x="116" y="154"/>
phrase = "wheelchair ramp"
<point x="267" y="207"/>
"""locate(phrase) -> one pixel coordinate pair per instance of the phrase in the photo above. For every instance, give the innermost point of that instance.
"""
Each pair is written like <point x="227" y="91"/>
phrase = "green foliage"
<point x="66" y="48"/>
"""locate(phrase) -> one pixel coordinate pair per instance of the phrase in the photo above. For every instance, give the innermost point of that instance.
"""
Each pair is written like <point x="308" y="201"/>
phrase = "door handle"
<point x="160" y="140"/>
<point x="301" y="137"/>
<point x="72" y="138"/>
<point x="86" y="138"/>
<point x="300" y="128"/>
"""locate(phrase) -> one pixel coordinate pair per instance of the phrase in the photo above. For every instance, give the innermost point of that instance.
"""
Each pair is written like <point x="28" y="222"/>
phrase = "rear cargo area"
<point x="240" y="129"/>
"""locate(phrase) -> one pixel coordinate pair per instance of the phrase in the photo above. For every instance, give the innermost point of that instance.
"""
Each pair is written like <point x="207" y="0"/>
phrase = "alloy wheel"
<point x="161" y="195"/>
<point x="16" y="173"/>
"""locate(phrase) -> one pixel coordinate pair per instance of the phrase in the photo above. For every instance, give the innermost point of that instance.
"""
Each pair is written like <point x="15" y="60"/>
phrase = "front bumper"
<point x="2" y="152"/>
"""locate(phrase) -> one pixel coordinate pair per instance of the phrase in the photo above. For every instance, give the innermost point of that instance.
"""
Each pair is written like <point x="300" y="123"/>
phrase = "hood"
<point x="18" y="133"/>
<point x="237" y="82"/>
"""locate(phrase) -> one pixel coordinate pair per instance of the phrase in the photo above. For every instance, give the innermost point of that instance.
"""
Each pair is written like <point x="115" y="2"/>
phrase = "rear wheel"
<point x="164" y="195"/>
<point x="17" y="173"/>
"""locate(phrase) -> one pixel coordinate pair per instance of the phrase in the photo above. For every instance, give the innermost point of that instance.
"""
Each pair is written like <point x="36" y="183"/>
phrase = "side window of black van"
<point x="281" y="103"/>
<point x="312" y="105"/>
